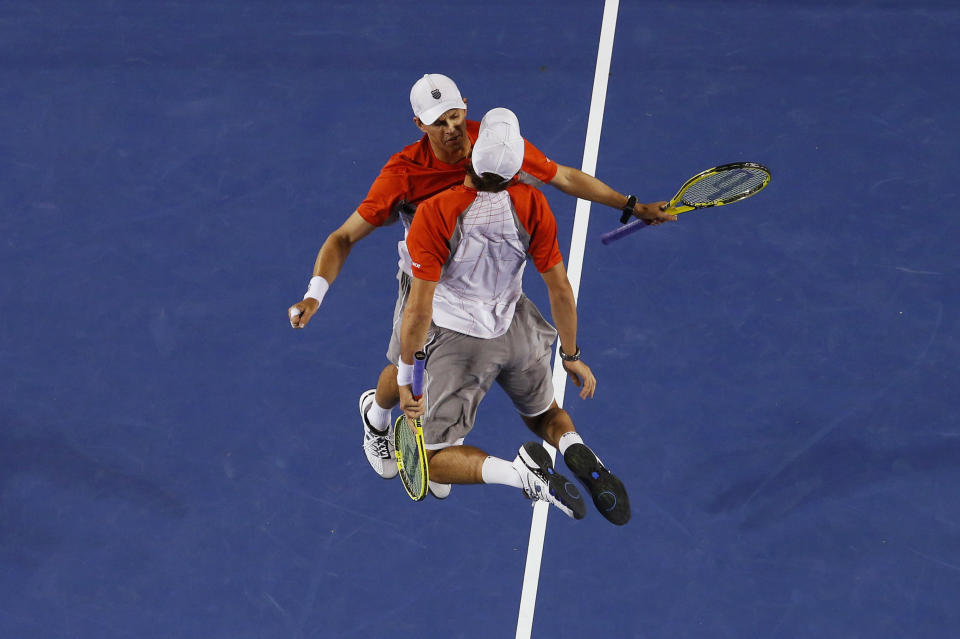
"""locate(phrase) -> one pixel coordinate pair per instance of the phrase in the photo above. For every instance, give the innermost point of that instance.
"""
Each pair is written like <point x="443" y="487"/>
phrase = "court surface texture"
<point x="778" y="379"/>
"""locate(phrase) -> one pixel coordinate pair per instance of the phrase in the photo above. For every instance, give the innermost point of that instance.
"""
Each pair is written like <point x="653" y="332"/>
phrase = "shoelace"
<point x="530" y="490"/>
<point x="378" y="444"/>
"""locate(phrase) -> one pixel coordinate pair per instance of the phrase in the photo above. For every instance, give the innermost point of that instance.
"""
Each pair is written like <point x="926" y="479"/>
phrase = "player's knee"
<point x="540" y="424"/>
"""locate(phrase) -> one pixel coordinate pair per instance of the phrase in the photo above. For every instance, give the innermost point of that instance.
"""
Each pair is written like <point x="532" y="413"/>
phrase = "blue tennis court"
<point x="777" y="379"/>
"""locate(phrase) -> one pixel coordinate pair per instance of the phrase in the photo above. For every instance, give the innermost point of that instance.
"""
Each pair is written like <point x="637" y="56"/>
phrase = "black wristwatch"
<point x="628" y="209"/>
<point x="570" y="358"/>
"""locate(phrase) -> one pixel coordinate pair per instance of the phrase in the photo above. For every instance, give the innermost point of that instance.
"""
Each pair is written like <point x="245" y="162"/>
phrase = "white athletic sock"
<point x="568" y="439"/>
<point x="500" y="471"/>
<point x="379" y="417"/>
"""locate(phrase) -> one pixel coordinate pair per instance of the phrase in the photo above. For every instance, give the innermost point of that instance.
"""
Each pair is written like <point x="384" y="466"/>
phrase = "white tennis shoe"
<point x="377" y="445"/>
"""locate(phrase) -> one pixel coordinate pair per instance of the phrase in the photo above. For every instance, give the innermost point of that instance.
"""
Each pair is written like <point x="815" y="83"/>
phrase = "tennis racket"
<point x="408" y="442"/>
<point x="714" y="187"/>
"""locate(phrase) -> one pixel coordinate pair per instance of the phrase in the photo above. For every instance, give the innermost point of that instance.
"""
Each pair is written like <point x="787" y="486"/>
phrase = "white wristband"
<point x="404" y="373"/>
<point x="317" y="289"/>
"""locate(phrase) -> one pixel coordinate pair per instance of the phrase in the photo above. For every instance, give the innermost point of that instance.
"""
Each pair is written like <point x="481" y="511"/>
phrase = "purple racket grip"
<point x="419" y="363"/>
<point x="626" y="229"/>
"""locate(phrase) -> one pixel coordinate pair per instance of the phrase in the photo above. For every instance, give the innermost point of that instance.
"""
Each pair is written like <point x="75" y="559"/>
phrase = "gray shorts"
<point x="460" y="370"/>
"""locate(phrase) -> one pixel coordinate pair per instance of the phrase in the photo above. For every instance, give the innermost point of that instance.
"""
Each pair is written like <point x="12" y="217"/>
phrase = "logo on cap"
<point x="436" y="94"/>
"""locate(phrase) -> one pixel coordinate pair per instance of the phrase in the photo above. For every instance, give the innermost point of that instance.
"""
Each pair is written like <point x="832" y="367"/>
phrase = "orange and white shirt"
<point x="475" y="245"/>
<point x="415" y="174"/>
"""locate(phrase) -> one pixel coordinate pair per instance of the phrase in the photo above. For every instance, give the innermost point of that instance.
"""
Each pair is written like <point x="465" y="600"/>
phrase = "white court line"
<point x="538" y="527"/>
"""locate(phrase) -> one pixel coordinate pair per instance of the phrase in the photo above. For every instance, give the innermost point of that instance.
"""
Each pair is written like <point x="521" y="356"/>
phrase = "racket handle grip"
<point x="623" y="231"/>
<point x="419" y="364"/>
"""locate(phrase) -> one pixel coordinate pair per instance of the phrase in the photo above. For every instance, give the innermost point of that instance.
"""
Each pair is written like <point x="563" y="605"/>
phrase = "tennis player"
<point x="466" y="310"/>
<point x="433" y="164"/>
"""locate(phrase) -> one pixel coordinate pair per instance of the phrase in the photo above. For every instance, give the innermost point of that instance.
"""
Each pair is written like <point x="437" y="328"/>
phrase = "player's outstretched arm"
<point x="563" y="309"/>
<point x="331" y="258"/>
<point x="414" y="327"/>
<point x="586" y="187"/>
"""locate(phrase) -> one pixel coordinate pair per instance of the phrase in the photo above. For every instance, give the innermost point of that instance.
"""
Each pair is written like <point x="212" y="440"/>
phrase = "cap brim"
<point x="430" y="115"/>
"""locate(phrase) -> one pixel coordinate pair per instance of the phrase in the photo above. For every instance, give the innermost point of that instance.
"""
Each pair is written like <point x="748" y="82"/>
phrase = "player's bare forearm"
<point x="563" y="309"/>
<point x="330" y="259"/>
<point x="417" y="315"/>
<point x="333" y="254"/>
<point x="413" y="333"/>
<point x="414" y="326"/>
<point x="563" y="306"/>
<point x="587" y="187"/>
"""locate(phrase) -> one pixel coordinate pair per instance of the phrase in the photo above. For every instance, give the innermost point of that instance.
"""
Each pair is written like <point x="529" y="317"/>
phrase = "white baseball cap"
<point x="433" y="95"/>
<point x="499" y="147"/>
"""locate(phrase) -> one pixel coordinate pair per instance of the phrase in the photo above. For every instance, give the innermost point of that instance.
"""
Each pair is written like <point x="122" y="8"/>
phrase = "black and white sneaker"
<point x="377" y="444"/>
<point x="542" y="482"/>
<point x="609" y="495"/>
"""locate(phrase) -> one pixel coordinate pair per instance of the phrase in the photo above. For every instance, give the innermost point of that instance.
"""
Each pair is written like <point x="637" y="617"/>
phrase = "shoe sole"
<point x="536" y="456"/>
<point x="608" y="493"/>
<point x="372" y="394"/>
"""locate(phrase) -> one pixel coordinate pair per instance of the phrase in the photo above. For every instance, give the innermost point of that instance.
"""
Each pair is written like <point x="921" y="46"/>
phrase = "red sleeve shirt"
<point x="415" y="174"/>
<point x="537" y="164"/>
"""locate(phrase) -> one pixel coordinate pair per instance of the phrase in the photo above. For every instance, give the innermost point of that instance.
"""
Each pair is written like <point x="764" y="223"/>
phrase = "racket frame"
<point x="416" y="492"/>
<point x="677" y="206"/>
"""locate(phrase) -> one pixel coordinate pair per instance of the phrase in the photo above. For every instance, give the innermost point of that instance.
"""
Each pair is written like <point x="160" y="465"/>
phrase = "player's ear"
<point x="419" y="124"/>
